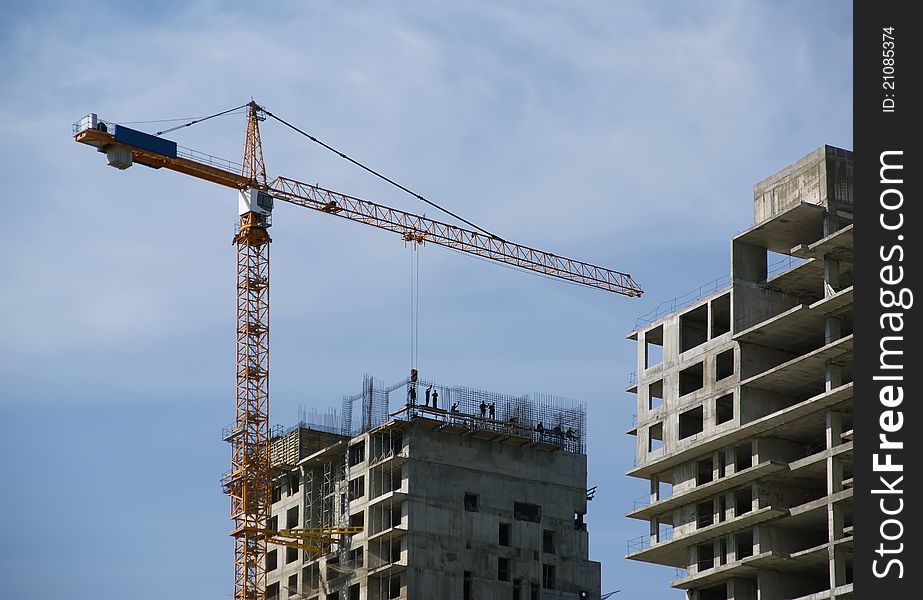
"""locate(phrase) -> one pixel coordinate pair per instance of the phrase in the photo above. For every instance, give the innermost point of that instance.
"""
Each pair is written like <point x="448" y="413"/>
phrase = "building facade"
<point x="453" y="505"/>
<point x="744" y="405"/>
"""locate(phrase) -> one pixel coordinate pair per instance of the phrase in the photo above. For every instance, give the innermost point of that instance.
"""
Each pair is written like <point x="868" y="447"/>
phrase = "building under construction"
<point x="744" y="404"/>
<point x="459" y="494"/>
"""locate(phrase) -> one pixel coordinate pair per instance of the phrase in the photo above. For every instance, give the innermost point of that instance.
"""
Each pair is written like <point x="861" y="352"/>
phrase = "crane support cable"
<point x="199" y="120"/>
<point x="377" y="174"/>
<point x="149" y="121"/>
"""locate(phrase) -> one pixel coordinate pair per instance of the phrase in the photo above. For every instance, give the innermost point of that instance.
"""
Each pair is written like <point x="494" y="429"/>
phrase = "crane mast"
<point x="248" y="483"/>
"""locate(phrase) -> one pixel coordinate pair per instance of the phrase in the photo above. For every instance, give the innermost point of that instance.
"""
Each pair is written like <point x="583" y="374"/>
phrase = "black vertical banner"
<point x="888" y="425"/>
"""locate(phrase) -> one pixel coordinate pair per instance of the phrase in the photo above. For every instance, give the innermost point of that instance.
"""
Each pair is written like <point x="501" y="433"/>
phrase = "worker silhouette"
<point x="455" y="407"/>
<point x="412" y="394"/>
<point x="569" y="434"/>
<point x="435" y="396"/>
<point x="483" y="408"/>
<point x="428" y="392"/>
<point x="557" y="431"/>
<point x="540" y="428"/>
<point x="493" y="410"/>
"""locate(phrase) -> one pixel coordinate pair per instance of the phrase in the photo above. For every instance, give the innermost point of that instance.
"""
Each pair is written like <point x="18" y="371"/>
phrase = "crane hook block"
<point x="254" y="200"/>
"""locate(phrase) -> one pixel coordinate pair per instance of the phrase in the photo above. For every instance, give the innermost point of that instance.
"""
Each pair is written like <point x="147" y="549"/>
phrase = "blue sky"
<point x="620" y="133"/>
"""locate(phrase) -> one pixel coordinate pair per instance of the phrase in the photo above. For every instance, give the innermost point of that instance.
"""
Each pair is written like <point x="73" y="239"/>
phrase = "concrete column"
<point x="833" y="375"/>
<point x="833" y="330"/>
<point x="693" y="554"/>
<point x="831" y="276"/>
<point x="741" y="589"/>
<point x="838" y="568"/>
<point x="834" y="426"/>
<point x="655" y="488"/>
<point x="831" y="223"/>
<point x="709" y="327"/>
<point x="748" y="262"/>
<point x="835" y="521"/>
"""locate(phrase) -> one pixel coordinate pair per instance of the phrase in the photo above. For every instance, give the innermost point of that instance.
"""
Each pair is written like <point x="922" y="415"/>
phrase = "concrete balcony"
<point x="706" y="490"/>
<point x="673" y="551"/>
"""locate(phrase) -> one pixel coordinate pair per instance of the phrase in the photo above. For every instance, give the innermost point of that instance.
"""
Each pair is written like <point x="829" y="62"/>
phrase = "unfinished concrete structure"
<point x="461" y="494"/>
<point x="744" y="404"/>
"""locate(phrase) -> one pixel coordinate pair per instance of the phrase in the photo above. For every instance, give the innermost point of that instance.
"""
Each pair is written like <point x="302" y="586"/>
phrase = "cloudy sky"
<point x="621" y="133"/>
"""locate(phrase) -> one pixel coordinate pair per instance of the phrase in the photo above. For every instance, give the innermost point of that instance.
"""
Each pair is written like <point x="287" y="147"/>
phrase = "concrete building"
<point x="744" y="404"/>
<point x="474" y="496"/>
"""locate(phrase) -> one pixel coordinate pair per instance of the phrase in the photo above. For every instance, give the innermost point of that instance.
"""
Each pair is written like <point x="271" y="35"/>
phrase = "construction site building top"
<point x="508" y="432"/>
<point x="538" y="420"/>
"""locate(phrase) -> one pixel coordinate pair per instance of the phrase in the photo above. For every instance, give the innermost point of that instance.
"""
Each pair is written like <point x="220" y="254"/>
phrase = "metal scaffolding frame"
<point x="387" y="446"/>
<point x="540" y="418"/>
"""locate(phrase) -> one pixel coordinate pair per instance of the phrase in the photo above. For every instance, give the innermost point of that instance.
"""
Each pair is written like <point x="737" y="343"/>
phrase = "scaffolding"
<point x="543" y="419"/>
<point x="386" y="521"/>
<point x="540" y="419"/>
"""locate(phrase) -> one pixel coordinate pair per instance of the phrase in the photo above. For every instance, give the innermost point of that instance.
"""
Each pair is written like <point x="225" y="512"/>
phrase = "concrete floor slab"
<point x="800" y="224"/>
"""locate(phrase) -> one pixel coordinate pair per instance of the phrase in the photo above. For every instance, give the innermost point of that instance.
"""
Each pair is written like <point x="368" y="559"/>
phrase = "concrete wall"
<point x="822" y="177"/>
<point x="670" y="372"/>
<point x="447" y="540"/>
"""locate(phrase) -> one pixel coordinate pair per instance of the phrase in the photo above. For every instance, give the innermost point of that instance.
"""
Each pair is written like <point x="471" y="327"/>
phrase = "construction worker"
<point x="435" y="396"/>
<point x="428" y="391"/>
<point x="412" y="394"/>
<point x="483" y="409"/>
<point x="455" y="407"/>
<point x="570" y="434"/>
<point x="493" y="410"/>
<point x="540" y="428"/>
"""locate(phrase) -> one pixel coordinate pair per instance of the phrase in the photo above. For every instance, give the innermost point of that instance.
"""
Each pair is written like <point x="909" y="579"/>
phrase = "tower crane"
<point x="248" y="483"/>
